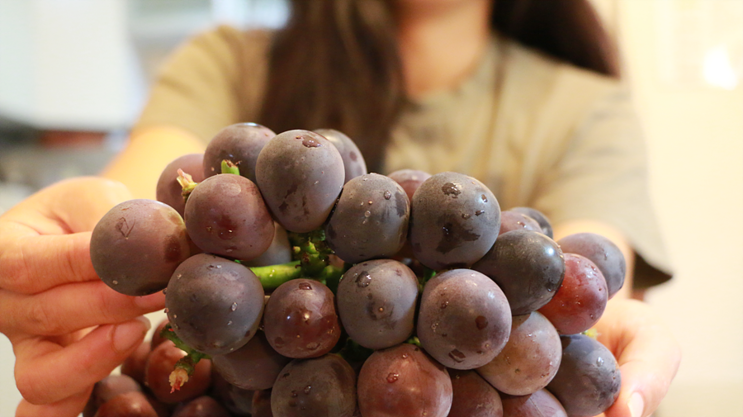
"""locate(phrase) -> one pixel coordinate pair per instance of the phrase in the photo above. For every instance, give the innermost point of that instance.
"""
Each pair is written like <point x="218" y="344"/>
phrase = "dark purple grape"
<point x="464" y="319"/>
<point x="133" y="366"/>
<point x="539" y="217"/>
<point x="240" y="144"/>
<point x="318" y="387"/>
<point x="454" y="221"/>
<point x="512" y="220"/>
<point x="300" y="319"/>
<point x="370" y="220"/>
<point x="377" y="302"/>
<point x="169" y="190"/>
<point x="581" y="299"/>
<point x="108" y="388"/>
<point x="128" y="404"/>
<point x="409" y="180"/>
<point x="214" y="304"/>
<point x="159" y="366"/>
<point x="203" y="406"/>
<point x="529" y="360"/>
<point x="353" y="161"/>
<point x="588" y="380"/>
<point x="528" y="267"/>
<point x="238" y="401"/>
<point x="262" y="404"/>
<point x="538" y="404"/>
<point x="300" y="174"/>
<point x="279" y="252"/>
<point x="403" y="381"/>
<point x="601" y="251"/>
<point x="226" y="215"/>
<point x="473" y="396"/>
<point x="137" y="245"/>
<point x="254" y="366"/>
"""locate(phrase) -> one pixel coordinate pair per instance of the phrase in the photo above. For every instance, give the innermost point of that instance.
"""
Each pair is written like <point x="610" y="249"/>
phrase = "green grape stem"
<point x="229" y="167"/>
<point x="185" y="366"/>
<point x="187" y="183"/>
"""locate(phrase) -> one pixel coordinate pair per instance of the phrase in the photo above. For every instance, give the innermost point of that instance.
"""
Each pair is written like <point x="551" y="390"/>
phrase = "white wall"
<point x="695" y="137"/>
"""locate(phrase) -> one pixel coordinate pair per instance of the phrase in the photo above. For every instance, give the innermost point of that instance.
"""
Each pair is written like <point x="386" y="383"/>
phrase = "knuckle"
<point x="42" y="321"/>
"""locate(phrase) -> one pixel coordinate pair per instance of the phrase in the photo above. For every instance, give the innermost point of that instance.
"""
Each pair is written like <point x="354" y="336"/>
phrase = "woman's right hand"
<point x="68" y="329"/>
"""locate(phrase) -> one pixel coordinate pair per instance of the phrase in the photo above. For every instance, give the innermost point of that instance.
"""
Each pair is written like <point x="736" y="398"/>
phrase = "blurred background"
<point x="74" y="74"/>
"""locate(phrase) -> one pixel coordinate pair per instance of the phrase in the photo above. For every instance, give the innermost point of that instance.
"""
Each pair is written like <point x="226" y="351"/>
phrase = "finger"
<point x="648" y="356"/>
<point x="34" y="264"/>
<point x="68" y="308"/>
<point x="47" y="373"/>
<point x="69" y="407"/>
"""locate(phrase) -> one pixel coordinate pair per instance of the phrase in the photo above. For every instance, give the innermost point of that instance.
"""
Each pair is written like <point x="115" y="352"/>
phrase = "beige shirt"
<point x="537" y="132"/>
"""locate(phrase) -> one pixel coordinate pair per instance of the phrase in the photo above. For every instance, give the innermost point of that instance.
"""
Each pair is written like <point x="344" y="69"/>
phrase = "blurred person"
<point x="523" y="95"/>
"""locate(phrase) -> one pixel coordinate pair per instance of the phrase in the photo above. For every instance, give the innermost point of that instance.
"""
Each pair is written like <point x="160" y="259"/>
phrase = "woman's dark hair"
<point x="336" y="64"/>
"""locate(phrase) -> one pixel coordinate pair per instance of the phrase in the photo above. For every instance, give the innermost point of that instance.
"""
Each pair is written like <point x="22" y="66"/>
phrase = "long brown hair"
<point x="336" y="63"/>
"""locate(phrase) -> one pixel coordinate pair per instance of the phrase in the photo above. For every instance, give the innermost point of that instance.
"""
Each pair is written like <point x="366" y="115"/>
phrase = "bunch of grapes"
<point x="298" y="284"/>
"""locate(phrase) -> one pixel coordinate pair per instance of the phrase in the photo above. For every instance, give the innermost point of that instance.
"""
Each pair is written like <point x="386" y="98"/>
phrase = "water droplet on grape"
<point x="307" y="389"/>
<point x="229" y="323"/>
<point x="363" y="281"/>
<point x="165" y="311"/>
<point x="313" y="346"/>
<point x="392" y="377"/>
<point x="466" y="216"/>
<point x="484" y="198"/>
<point x="233" y="307"/>
<point x="457" y="356"/>
<point x="367" y="213"/>
<point x="444" y="304"/>
<point x="479" y="212"/>
<point x="305" y="286"/>
<point x="165" y="291"/>
<point x="114" y="282"/>
<point x="599" y="361"/>
<point x="387" y="195"/>
<point x="294" y="394"/>
<point x="481" y="322"/>
<point x="175" y="316"/>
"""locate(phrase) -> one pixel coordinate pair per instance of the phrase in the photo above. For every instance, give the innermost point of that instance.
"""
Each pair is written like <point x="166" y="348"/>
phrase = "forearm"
<point x="149" y="150"/>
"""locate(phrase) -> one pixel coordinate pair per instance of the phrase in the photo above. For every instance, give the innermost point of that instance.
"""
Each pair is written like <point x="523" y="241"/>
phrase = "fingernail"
<point x="636" y="405"/>
<point x="126" y="336"/>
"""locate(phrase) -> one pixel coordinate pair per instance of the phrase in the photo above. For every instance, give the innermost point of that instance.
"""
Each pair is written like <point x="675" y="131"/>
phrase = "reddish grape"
<point x="601" y="251"/>
<point x="169" y="190"/>
<point x="240" y="143"/>
<point x="403" y="381"/>
<point x="254" y="366"/>
<point x="473" y="396"/>
<point x="581" y="299"/>
<point x="538" y="404"/>
<point x="159" y="366"/>
<point x="300" y="319"/>
<point x="529" y="360"/>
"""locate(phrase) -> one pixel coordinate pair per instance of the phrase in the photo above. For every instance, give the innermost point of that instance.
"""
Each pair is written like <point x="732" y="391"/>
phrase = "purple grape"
<point x="353" y="161"/>
<point x="512" y="220"/>
<point x="528" y="266"/>
<point x="370" y="220"/>
<point x="377" y="302"/>
<point x="108" y="388"/>
<point x="128" y="404"/>
<point x="409" y="180"/>
<point x="159" y="366"/>
<point x="588" y="380"/>
<point x="464" y="319"/>
<point x="473" y="396"/>
<point x="604" y="253"/>
<point x="226" y="215"/>
<point x="300" y="319"/>
<point x="454" y="221"/>
<point x="254" y="366"/>
<point x="539" y="217"/>
<point x="538" y="404"/>
<point x="203" y="406"/>
<point x="214" y="304"/>
<point x="137" y="245"/>
<point x="240" y="144"/>
<point x="529" y="360"/>
<point x="403" y="381"/>
<point x="317" y="387"/>
<point x="300" y="174"/>
<point x="169" y="190"/>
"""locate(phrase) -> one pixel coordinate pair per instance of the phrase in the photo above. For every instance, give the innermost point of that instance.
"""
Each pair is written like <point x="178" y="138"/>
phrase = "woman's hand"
<point x="68" y="329"/>
<point x="647" y="353"/>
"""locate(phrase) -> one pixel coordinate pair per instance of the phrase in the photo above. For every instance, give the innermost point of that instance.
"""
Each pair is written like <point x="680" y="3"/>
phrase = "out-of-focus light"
<point x="717" y="69"/>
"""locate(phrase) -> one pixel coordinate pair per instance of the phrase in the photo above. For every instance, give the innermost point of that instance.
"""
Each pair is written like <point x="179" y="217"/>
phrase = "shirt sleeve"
<point x="211" y="81"/>
<point x="602" y="175"/>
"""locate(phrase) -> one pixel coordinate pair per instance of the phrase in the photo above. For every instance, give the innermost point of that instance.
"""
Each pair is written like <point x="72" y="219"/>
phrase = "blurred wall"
<point x="692" y="108"/>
